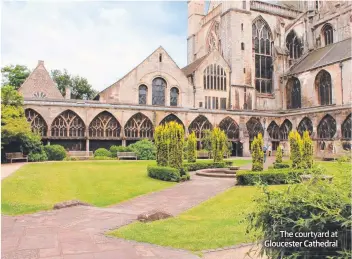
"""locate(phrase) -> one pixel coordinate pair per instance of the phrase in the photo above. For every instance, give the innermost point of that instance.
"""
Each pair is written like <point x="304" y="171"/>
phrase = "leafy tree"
<point x="62" y="80"/>
<point x="257" y="153"/>
<point x="15" y="75"/>
<point x="278" y="155"/>
<point x="10" y="96"/>
<point x="295" y="149"/>
<point x="206" y="140"/>
<point x="219" y="144"/>
<point x="307" y="150"/>
<point x="192" y="148"/>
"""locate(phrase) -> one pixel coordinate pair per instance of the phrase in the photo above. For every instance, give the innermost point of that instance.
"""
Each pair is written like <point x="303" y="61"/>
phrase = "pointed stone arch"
<point x="171" y="117"/>
<point x="326" y="128"/>
<point x="199" y="125"/>
<point x="254" y="127"/>
<point x="104" y="126"/>
<point x="346" y="128"/>
<point x="139" y="126"/>
<point x="285" y="129"/>
<point x="230" y="127"/>
<point x="305" y="125"/>
<point x="38" y="124"/>
<point x="274" y="131"/>
<point x="68" y="124"/>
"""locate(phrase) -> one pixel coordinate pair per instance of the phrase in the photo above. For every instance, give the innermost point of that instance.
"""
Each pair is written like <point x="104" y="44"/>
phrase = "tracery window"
<point x="293" y="93"/>
<point x="305" y="125"/>
<point x="346" y="128"/>
<point x="214" y="78"/>
<point x="39" y="95"/>
<point x="285" y="129"/>
<point x="199" y="125"/>
<point x="230" y="127"/>
<point x="254" y="127"/>
<point x="142" y="94"/>
<point x="263" y="56"/>
<point x="171" y="117"/>
<point x="174" y="93"/>
<point x="68" y="124"/>
<point x="328" y="34"/>
<point x="274" y="130"/>
<point x="158" y="93"/>
<point x="213" y="39"/>
<point x="323" y="86"/>
<point x="294" y="45"/>
<point x="38" y="124"/>
<point x="139" y="126"/>
<point x="104" y="125"/>
<point x="327" y="128"/>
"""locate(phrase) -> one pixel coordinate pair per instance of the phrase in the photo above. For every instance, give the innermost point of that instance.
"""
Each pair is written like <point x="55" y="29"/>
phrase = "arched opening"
<point x="326" y="128"/>
<point x="294" y="45"/>
<point x="324" y="87"/>
<point x="104" y="125"/>
<point x="346" y="128"/>
<point x="142" y="94"/>
<point x="38" y="124"/>
<point x="285" y="129"/>
<point x="328" y="34"/>
<point x="254" y="127"/>
<point x="139" y="126"/>
<point x="171" y="117"/>
<point x="293" y="93"/>
<point x="174" y="93"/>
<point x="274" y="134"/>
<point x="305" y="125"/>
<point x="232" y="130"/>
<point x="158" y="91"/>
<point x="199" y="125"/>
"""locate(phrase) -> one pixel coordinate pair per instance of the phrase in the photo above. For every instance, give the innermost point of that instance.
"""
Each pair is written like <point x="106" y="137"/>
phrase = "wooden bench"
<point x="202" y="154"/>
<point x="308" y="177"/>
<point x="80" y="154"/>
<point x="16" y="156"/>
<point x="126" y="155"/>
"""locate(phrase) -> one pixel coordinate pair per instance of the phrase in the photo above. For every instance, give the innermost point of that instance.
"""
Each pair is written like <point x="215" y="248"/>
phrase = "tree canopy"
<point x="14" y="75"/>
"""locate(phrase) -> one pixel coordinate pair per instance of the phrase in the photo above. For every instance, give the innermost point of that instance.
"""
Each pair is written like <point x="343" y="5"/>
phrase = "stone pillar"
<point x="246" y="147"/>
<point x="124" y="142"/>
<point x="87" y="147"/>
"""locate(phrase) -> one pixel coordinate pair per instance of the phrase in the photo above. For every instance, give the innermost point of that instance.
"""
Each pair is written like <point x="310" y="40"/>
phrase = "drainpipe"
<point x="341" y="65"/>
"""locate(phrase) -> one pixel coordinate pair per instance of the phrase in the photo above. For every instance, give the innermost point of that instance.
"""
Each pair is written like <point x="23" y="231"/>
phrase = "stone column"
<point x="87" y="147"/>
<point x="246" y="147"/>
<point x="124" y="142"/>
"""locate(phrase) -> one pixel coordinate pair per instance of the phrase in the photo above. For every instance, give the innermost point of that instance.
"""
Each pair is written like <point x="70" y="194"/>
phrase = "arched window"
<point x="346" y="128"/>
<point x="199" y="125"/>
<point x="213" y="39"/>
<point x="214" y="78"/>
<point x="68" y="124"/>
<point x="323" y="86"/>
<point x="104" y="125"/>
<point x="294" y="45"/>
<point x="327" y="128"/>
<point x="142" y="94"/>
<point x="254" y="127"/>
<point x="174" y="93"/>
<point x="38" y="124"/>
<point x="171" y="117"/>
<point x="139" y="126"/>
<point x="230" y="127"/>
<point x="293" y="93"/>
<point x="285" y="129"/>
<point x="158" y="94"/>
<point x="274" y="130"/>
<point x="328" y="34"/>
<point x="263" y="60"/>
<point x="305" y="125"/>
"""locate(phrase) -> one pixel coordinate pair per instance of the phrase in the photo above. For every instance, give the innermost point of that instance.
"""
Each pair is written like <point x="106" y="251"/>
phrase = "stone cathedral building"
<point x="252" y="67"/>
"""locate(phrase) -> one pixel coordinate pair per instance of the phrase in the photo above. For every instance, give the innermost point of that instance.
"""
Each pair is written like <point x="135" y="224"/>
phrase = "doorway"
<point x="237" y="149"/>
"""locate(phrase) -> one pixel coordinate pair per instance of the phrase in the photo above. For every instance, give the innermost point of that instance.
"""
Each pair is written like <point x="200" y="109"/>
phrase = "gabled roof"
<point x="39" y="84"/>
<point x="189" y="69"/>
<point x="327" y="55"/>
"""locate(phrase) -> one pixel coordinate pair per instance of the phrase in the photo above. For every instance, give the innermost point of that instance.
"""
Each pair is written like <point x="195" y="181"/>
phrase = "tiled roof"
<point x="324" y="56"/>
<point x="189" y="69"/>
<point x="39" y="84"/>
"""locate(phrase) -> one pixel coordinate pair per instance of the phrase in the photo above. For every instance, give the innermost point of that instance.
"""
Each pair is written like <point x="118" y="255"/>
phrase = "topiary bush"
<point x="192" y="148"/>
<point x="218" y="144"/>
<point x="164" y="173"/>
<point x="114" y="149"/>
<point x="307" y="150"/>
<point x="55" y="152"/>
<point x="295" y="149"/>
<point x="102" y="152"/>
<point x="144" y="149"/>
<point x="278" y="158"/>
<point x="257" y="153"/>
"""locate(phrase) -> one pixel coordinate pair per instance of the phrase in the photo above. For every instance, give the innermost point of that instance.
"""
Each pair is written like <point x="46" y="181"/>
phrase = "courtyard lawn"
<point x="39" y="186"/>
<point x="218" y="222"/>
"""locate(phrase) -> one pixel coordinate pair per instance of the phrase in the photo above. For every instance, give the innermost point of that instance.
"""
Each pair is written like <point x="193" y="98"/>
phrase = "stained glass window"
<point x="323" y="85"/>
<point x="294" y="45"/>
<point x="143" y="91"/>
<point x="104" y="125"/>
<point x="174" y="96"/>
<point x="214" y="78"/>
<point x="158" y="94"/>
<point x="328" y="34"/>
<point x="293" y="95"/>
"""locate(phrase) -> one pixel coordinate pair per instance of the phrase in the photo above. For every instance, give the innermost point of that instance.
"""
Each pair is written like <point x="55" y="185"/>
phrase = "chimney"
<point x="40" y="62"/>
<point x="68" y="92"/>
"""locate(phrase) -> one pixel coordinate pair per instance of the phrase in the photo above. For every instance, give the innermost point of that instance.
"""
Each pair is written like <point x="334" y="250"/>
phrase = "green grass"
<point x="218" y="222"/>
<point x="37" y="187"/>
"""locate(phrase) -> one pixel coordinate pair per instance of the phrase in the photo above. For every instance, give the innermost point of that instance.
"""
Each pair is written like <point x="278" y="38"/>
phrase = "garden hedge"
<point x="102" y="152"/>
<point x="55" y="152"/>
<point x="204" y="165"/>
<point x="164" y="173"/>
<point x="114" y="149"/>
<point x="270" y="176"/>
<point x="281" y="165"/>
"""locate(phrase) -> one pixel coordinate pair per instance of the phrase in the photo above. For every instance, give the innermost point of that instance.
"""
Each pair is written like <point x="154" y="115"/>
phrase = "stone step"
<point x="218" y="175"/>
<point x="234" y="168"/>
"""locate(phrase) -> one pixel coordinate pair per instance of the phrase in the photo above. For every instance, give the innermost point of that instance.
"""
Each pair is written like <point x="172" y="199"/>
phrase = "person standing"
<point x="264" y="150"/>
<point x="270" y="150"/>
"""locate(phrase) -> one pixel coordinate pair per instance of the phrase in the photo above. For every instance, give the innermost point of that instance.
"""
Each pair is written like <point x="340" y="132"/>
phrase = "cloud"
<point x="101" y="41"/>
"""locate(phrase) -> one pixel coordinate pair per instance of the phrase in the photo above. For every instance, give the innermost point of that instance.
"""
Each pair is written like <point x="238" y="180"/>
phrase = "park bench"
<point x="16" y="156"/>
<point x="202" y="154"/>
<point x="80" y="154"/>
<point x="126" y="155"/>
<point x="307" y="177"/>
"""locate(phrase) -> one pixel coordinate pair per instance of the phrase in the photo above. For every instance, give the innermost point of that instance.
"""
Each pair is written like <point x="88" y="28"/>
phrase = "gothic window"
<point x="294" y="45"/>
<point x="68" y="124"/>
<point x="346" y="128"/>
<point x="214" y="78"/>
<point x="254" y="127"/>
<point x="213" y="39"/>
<point x="139" y="126"/>
<point x="199" y="125"/>
<point x="171" y="117"/>
<point x="39" y="95"/>
<point x="323" y="86"/>
<point x="143" y="91"/>
<point x="174" y="93"/>
<point x="328" y="34"/>
<point x="305" y="125"/>
<point x="285" y="129"/>
<point x="327" y="128"/>
<point x="274" y="130"/>
<point x="263" y="60"/>
<point x="230" y="127"/>
<point x="37" y="122"/>
<point x="104" y="125"/>
<point x="158" y="94"/>
<point x="293" y="93"/>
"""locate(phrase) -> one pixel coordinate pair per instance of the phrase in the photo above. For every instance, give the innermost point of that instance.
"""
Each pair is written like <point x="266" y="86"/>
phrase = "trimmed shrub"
<point x="203" y="165"/>
<point x="257" y="153"/>
<point x="281" y="165"/>
<point x="273" y="176"/>
<point x="144" y="149"/>
<point x="218" y="144"/>
<point x="164" y="173"/>
<point x="192" y="148"/>
<point x="228" y="163"/>
<point x="278" y="155"/>
<point x="55" y="152"/>
<point x="114" y="149"/>
<point x="102" y="152"/>
<point x="295" y="149"/>
<point x="307" y="150"/>
<point x="38" y="156"/>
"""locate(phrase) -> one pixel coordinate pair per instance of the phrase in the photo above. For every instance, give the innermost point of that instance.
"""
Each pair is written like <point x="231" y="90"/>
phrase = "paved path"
<point x="7" y="169"/>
